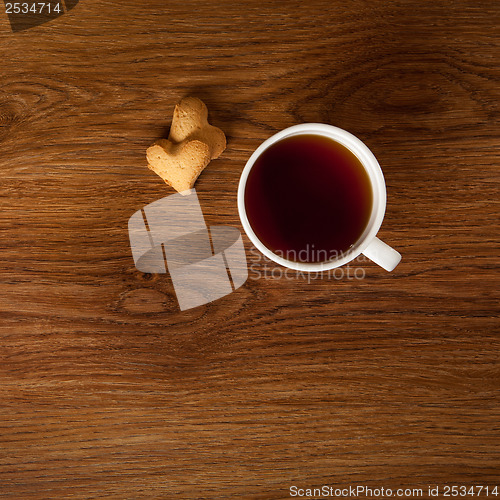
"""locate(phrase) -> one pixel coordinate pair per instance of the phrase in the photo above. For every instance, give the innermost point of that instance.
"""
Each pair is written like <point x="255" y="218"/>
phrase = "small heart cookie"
<point x="190" y="122"/>
<point x="179" y="165"/>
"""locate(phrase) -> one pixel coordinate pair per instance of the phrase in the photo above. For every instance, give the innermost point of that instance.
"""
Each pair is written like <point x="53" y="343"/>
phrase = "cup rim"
<point x="369" y="162"/>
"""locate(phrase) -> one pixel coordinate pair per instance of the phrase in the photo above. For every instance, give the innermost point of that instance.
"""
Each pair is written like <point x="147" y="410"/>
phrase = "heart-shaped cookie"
<point x="179" y="165"/>
<point x="190" y="122"/>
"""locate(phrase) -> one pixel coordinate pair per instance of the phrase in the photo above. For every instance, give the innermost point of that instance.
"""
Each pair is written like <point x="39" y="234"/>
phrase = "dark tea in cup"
<point x="308" y="198"/>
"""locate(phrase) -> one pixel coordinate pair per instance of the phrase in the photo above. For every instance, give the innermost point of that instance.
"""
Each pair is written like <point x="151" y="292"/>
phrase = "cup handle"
<point x="382" y="254"/>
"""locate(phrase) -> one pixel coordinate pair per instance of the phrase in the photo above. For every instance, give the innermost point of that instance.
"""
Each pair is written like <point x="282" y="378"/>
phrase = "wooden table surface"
<point x="108" y="390"/>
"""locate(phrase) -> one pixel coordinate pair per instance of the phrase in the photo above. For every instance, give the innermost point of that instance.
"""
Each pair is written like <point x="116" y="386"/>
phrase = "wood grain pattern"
<point x="107" y="390"/>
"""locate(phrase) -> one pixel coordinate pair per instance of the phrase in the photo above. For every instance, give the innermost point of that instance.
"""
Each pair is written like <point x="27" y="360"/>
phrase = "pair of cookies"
<point x="190" y="146"/>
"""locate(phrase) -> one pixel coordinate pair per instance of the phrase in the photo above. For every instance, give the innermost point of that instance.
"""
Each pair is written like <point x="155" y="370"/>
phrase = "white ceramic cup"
<point x="368" y="243"/>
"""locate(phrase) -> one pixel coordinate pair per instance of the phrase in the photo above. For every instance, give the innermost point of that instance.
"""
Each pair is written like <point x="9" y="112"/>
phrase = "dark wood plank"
<point x="109" y="391"/>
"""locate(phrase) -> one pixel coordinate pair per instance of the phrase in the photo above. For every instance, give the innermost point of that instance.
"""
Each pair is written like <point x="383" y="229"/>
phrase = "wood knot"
<point x="146" y="301"/>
